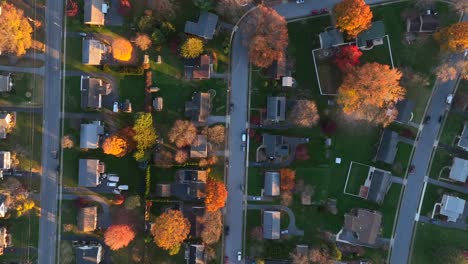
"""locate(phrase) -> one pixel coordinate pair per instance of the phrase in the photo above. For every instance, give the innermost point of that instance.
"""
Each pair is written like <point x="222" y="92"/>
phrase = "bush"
<point x="148" y="181"/>
<point x="129" y="70"/>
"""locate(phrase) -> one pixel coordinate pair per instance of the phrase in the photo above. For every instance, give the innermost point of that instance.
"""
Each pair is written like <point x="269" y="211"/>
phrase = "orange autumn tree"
<point x="352" y="16"/>
<point x="16" y="30"/>
<point x="118" y="236"/>
<point x="216" y="195"/>
<point x="288" y="178"/>
<point x="115" y="145"/>
<point x="454" y="37"/>
<point x="122" y="49"/>
<point x="170" y="229"/>
<point x="369" y="91"/>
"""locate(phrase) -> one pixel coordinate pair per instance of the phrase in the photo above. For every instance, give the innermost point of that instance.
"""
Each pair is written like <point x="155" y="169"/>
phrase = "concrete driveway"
<point x="113" y="18"/>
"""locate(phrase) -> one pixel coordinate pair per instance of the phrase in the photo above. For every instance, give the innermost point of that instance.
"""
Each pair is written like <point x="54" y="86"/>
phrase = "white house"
<point x="452" y="207"/>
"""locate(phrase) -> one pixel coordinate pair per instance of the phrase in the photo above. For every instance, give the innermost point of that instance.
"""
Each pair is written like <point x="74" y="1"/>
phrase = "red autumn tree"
<point x="368" y="92"/>
<point x="72" y="8"/>
<point x="454" y="37"/>
<point x="328" y="127"/>
<point x="352" y="16"/>
<point x="267" y="36"/>
<point x="118" y="199"/>
<point x="170" y="229"/>
<point x="118" y="236"/>
<point x="216" y="195"/>
<point x="302" y="153"/>
<point x="347" y="57"/>
<point x="125" y="7"/>
<point x="181" y="156"/>
<point x="288" y="178"/>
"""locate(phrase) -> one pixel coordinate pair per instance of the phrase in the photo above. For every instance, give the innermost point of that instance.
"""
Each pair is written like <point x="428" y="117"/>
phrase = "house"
<point x="5" y="239"/>
<point x="287" y="81"/>
<point x="5" y="160"/>
<point x="463" y="142"/>
<point x="89" y="254"/>
<point x="276" y="108"/>
<point x="90" y="135"/>
<point x="423" y="23"/>
<point x="271" y="224"/>
<point x="5" y="83"/>
<point x="92" y="90"/>
<point x="272" y="183"/>
<point x="3" y="206"/>
<point x="199" y="108"/>
<point x="188" y="191"/>
<point x="405" y="111"/>
<point x="158" y="104"/>
<point x="87" y="219"/>
<point x="275" y="147"/>
<point x="194" y="214"/>
<point x="196" y="254"/>
<point x="452" y="207"/>
<point x="279" y="68"/>
<point x="205" y="27"/>
<point x="7" y="123"/>
<point x="371" y="37"/>
<point x="93" y="51"/>
<point x="94" y="11"/>
<point x="364" y="225"/>
<point x="388" y="147"/>
<point x="332" y="37"/>
<point x="163" y="190"/>
<point x="186" y="176"/>
<point x="199" y="68"/>
<point x="459" y="170"/>
<point x="89" y="172"/>
<point x="199" y="148"/>
<point x="376" y="185"/>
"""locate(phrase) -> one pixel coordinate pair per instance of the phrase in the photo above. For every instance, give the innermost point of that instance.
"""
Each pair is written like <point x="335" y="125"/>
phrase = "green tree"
<point x="145" y="135"/>
<point x="205" y="5"/>
<point x="158" y="37"/>
<point x="146" y="23"/>
<point x="192" y="48"/>
<point x="167" y="29"/>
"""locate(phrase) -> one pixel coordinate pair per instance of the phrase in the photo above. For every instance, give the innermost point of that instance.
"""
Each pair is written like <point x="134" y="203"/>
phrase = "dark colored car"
<point x="226" y="230"/>
<point x="427" y="119"/>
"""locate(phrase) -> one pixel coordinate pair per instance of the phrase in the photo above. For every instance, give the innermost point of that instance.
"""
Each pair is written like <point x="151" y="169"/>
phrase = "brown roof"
<point x="199" y="149"/>
<point x="202" y="71"/>
<point x="87" y="219"/>
<point x="199" y="108"/>
<point x="364" y="223"/>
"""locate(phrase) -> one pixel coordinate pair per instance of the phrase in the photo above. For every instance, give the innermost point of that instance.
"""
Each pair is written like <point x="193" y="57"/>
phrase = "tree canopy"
<point x="115" y="145"/>
<point x="122" y="49"/>
<point x="143" y="41"/>
<point x="191" y="48"/>
<point x="15" y="30"/>
<point x="183" y="133"/>
<point x="304" y="113"/>
<point x="145" y="134"/>
<point x="454" y="37"/>
<point x="212" y="227"/>
<point x="118" y="236"/>
<point x="288" y="178"/>
<point x="216" y="195"/>
<point x="352" y="16"/>
<point x="170" y="229"/>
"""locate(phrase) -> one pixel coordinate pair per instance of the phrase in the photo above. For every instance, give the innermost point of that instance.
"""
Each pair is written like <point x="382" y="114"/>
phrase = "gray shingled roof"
<point x="5" y="160"/>
<point x="331" y="38"/>
<point x="272" y="183"/>
<point x="205" y="27"/>
<point x="423" y="23"/>
<point x="92" y="90"/>
<point x="276" y="108"/>
<point x="196" y="254"/>
<point x="376" y="31"/>
<point x="388" y="147"/>
<point x="459" y="170"/>
<point x="379" y="186"/>
<point x="93" y="14"/>
<point x="199" y="108"/>
<point x="89" y="135"/>
<point x="405" y="109"/>
<point x="88" y="174"/>
<point x="271" y="224"/>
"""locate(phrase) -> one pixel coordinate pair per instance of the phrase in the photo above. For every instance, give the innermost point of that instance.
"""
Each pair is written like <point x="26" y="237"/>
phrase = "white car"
<point x="449" y="99"/>
<point x="285" y="232"/>
<point x="113" y="178"/>
<point x="111" y="184"/>
<point x="116" y="191"/>
<point x="239" y="255"/>
<point x="115" y="109"/>
<point x="244" y="137"/>
<point x="299" y="1"/>
<point x="257" y="198"/>
<point x="123" y="187"/>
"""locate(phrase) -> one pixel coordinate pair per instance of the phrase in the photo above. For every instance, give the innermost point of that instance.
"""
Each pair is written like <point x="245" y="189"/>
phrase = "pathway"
<point x="22" y="109"/>
<point x="292" y="228"/>
<point x="212" y="119"/>
<point x="406" y="140"/>
<point x="453" y="187"/>
<point x="457" y="225"/>
<point x="38" y="70"/>
<point x="105" y="220"/>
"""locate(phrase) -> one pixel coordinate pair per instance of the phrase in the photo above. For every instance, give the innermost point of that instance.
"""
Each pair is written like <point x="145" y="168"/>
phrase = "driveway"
<point x="38" y="70"/>
<point x="113" y="17"/>
<point x="453" y="187"/>
<point x="292" y="228"/>
<point x="104" y="218"/>
<point x="22" y="109"/>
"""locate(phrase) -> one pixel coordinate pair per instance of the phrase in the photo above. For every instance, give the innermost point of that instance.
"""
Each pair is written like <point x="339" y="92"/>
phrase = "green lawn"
<point x="452" y="128"/>
<point x="73" y="94"/>
<point x="441" y="160"/>
<point x="69" y="214"/>
<point x="357" y="177"/>
<point x="433" y="194"/>
<point x="27" y="89"/>
<point x="380" y="54"/>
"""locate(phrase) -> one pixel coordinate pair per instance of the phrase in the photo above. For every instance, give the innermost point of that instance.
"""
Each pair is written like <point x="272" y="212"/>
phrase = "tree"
<point x="67" y="142"/>
<point x="118" y="236"/>
<point x="145" y="135"/>
<point x="15" y="29"/>
<point x="454" y="37"/>
<point x="204" y="5"/>
<point x="212" y="227"/>
<point x="286" y="198"/>
<point x="146" y="23"/>
<point x="127" y="133"/>
<point x="288" y="177"/>
<point x="143" y="41"/>
<point x="447" y="72"/>
<point x="304" y="113"/>
<point x="267" y="36"/>
<point x="181" y="156"/>
<point x="183" y="133"/>
<point x="216" y="134"/>
<point x="125" y="7"/>
<point x="328" y="127"/>
<point x="347" y="57"/>
<point x="167" y="29"/>
<point x="170" y="229"/>
<point x="118" y="199"/>
<point x="132" y="202"/>
<point x="367" y="93"/>
<point x="352" y="16"/>
<point x="299" y="258"/>
<point x="460" y="5"/>
<point x="163" y="159"/>
<point x="72" y="8"/>
<point x="122" y="49"/>
<point x="319" y="256"/>
<point x="163" y="8"/>
<point x="231" y="10"/>
<point x="216" y="195"/>
<point x="191" y="48"/>
<point x="444" y="253"/>
<point x="158" y="37"/>
<point x="302" y="153"/>
<point x="207" y="162"/>
<point x="115" y="145"/>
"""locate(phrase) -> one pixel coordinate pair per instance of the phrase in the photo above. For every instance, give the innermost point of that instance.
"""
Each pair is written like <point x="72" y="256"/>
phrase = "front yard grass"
<point x="27" y="89"/>
<point x="357" y="176"/>
<point x="441" y="163"/>
<point x="453" y="127"/>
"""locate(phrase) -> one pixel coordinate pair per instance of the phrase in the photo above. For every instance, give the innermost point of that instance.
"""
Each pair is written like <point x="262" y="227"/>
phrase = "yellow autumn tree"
<point x="170" y="229"/>
<point x="115" y="145"/>
<point x="191" y="48"/>
<point x="15" y="30"/>
<point x="454" y="37"/>
<point x="122" y="49"/>
<point x="353" y="16"/>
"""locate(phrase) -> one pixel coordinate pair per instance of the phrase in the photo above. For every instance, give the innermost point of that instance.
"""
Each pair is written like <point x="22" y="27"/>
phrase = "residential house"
<point x="452" y="207"/>
<point x="199" y="68"/>
<point x="331" y="37"/>
<point x="459" y="170"/>
<point x="271" y="224"/>
<point x="194" y="214"/>
<point x="5" y="239"/>
<point x="89" y="254"/>
<point x="188" y="191"/>
<point x="163" y="190"/>
<point x="7" y="123"/>
<point x="376" y="185"/>
<point x="199" y="108"/>
<point x="3" y="205"/>
<point x="5" y="83"/>
<point x="196" y="254"/>
<point x="280" y="67"/>
<point x="189" y="175"/>
<point x="5" y="160"/>
<point x="424" y="23"/>
<point x="272" y="183"/>
<point x="90" y="135"/>
<point x="205" y="27"/>
<point x="371" y="37"/>
<point x="275" y="147"/>
<point x="189" y="185"/>
<point x="463" y="142"/>
<point x="87" y="219"/>
<point x="405" y="111"/>
<point x="388" y="147"/>
<point x="199" y="148"/>
<point x="94" y="11"/>
<point x="92" y="90"/>
<point x="158" y="104"/>
<point x="93" y="51"/>
<point x="364" y="225"/>
<point x="276" y="108"/>
<point x="89" y="172"/>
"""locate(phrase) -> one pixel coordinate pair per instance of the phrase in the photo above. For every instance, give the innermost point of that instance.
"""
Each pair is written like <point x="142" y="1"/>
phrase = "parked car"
<point x="111" y="184"/>
<point x="239" y="255"/>
<point x="257" y="198"/>
<point x="299" y="1"/>
<point x="116" y="191"/>
<point x="123" y="187"/>
<point x="115" y="109"/>
<point x="113" y="178"/>
<point x="226" y="230"/>
<point x="284" y="232"/>
<point x="449" y="99"/>
<point x="427" y="119"/>
<point x="244" y="137"/>
<point x="226" y="259"/>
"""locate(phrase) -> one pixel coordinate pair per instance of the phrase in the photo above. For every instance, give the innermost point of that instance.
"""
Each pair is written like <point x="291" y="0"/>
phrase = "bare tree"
<point x="304" y="113"/>
<point x="163" y="8"/>
<point x="232" y="10"/>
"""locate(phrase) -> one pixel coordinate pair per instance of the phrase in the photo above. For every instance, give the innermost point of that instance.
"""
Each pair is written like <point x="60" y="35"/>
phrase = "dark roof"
<point x="364" y="223"/>
<point x="203" y="69"/>
<point x="205" y="27"/>
<point x="163" y="190"/>
<point x="196" y="254"/>
<point x="194" y="215"/>
<point x="92" y="90"/>
<point x="88" y="254"/>
<point x="331" y="38"/>
<point x="274" y="146"/>
<point x="272" y="183"/>
<point x="463" y="142"/>
<point x="388" y="147"/>
<point x="185" y="176"/>
<point x="199" y="108"/>
<point x="379" y="186"/>
<point x="188" y="191"/>
<point x="375" y="31"/>
<point x="88" y="172"/>
<point x="93" y="14"/>
<point x="276" y="108"/>
<point x="158" y="103"/>
<point x="5" y="83"/>
<point x="423" y="23"/>
<point x="2" y="198"/>
<point x="405" y="108"/>
<point x="87" y="219"/>
<point x="199" y="149"/>
<point x="271" y="224"/>
<point x="278" y="68"/>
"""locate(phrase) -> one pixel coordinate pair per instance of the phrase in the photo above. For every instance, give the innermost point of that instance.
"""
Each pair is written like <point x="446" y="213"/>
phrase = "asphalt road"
<point x="51" y="132"/>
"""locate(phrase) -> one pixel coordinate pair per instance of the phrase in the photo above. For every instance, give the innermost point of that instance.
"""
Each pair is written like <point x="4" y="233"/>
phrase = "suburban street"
<point x="51" y="132"/>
